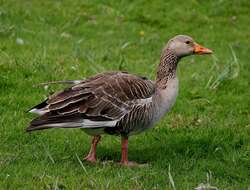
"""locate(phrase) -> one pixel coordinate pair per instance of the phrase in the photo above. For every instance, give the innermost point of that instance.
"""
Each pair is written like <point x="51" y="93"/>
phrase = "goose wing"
<point x="99" y="101"/>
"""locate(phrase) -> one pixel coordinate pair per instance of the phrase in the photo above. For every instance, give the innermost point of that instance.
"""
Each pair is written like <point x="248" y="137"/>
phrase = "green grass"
<point x="204" y="139"/>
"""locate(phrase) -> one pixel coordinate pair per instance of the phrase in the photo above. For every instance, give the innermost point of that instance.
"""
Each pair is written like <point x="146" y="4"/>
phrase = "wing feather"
<point x="105" y="96"/>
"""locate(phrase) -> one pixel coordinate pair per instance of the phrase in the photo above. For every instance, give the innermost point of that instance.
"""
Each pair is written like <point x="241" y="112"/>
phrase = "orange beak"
<point x="198" y="49"/>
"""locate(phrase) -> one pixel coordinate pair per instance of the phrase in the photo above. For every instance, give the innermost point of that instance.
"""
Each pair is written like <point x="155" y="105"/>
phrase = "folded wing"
<point x="100" y="101"/>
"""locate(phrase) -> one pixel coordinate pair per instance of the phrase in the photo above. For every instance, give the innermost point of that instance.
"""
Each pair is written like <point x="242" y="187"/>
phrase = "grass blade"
<point x="171" y="178"/>
<point x="80" y="162"/>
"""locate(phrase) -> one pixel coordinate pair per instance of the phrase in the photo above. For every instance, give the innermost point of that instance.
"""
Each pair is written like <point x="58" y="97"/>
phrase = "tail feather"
<point x="53" y="125"/>
<point x="76" y="120"/>
<point x="59" y="121"/>
<point x="40" y="109"/>
<point x="39" y="106"/>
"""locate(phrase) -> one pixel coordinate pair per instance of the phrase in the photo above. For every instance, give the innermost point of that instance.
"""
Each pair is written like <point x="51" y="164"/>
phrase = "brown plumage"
<point x="117" y="102"/>
<point x="104" y="97"/>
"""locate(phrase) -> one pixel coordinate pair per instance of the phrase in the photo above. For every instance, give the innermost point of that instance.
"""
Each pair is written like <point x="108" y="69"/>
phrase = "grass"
<point x="203" y="141"/>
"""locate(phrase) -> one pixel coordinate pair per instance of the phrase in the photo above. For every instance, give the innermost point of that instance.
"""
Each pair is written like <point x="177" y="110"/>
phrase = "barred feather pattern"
<point x="107" y="94"/>
<point x="105" y="97"/>
<point x="167" y="68"/>
<point x="140" y="118"/>
<point x="115" y="102"/>
<point x="143" y="116"/>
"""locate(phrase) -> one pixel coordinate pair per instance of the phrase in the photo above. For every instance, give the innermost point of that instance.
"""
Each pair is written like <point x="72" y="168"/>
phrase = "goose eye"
<point x="187" y="42"/>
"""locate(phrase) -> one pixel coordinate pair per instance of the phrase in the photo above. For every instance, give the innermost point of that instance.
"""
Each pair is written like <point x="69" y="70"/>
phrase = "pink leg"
<point x="124" y="160"/>
<point x="91" y="157"/>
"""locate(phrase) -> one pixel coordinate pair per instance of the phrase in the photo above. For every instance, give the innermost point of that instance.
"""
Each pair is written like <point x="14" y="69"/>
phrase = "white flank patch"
<point x="65" y="125"/>
<point x="85" y="124"/>
<point x="95" y="124"/>
<point x="37" y="111"/>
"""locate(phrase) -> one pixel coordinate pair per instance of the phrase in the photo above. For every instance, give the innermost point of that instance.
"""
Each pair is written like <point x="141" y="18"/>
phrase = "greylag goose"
<point x="117" y="103"/>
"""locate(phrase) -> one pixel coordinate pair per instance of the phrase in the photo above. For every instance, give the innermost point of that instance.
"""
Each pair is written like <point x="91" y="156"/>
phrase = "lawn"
<point x="204" y="139"/>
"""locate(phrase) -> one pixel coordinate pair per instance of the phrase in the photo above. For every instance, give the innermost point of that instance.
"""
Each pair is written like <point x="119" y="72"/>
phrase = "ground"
<point x="204" y="139"/>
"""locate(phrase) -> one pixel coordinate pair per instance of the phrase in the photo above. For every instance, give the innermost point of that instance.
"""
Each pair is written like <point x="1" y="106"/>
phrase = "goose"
<point x="117" y="103"/>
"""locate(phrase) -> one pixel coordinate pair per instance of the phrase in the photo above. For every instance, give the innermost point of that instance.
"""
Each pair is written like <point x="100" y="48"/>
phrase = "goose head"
<point x="183" y="45"/>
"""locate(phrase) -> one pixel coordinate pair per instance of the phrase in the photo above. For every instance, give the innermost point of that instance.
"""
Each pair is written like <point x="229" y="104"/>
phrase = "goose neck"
<point x="167" y="68"/>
